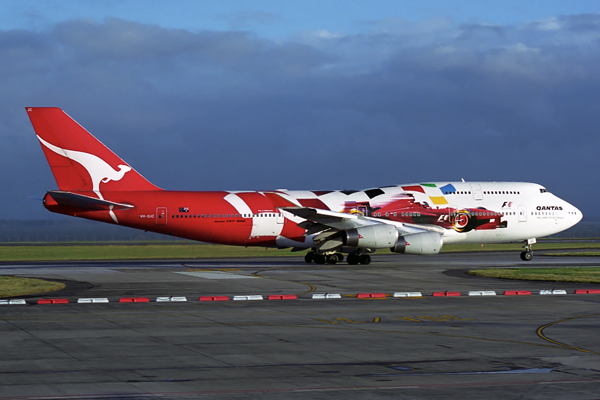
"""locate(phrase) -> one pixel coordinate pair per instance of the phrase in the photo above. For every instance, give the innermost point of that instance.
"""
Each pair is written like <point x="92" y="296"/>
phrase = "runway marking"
<point x="215" y="275"/>
<point x="540" y="333"/>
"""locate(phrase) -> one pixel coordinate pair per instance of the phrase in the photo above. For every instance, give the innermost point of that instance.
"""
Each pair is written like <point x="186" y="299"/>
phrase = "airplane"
<point x="419" y="218"/>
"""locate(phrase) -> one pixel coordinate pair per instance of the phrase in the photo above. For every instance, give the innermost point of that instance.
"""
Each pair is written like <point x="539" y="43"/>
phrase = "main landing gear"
<point x="527" y="255"/>
<point x="334" y="258"/>
<point x="317" y="258"/>
<point x="355" y="258"/>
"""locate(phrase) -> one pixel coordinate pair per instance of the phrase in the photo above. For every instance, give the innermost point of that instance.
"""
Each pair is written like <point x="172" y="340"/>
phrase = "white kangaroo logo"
<point x="99" y="170"/>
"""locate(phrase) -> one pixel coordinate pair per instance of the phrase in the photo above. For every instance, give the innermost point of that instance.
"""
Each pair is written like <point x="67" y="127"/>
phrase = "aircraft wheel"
<point x="332" y="259"/>
<point x="353" y="259"/>
<point x="365" y="259"/>
<point x="320" y="259"/>
<point x="309" y="257"/>
<point x="526" y="255"/>
<point x="340" y="257"/>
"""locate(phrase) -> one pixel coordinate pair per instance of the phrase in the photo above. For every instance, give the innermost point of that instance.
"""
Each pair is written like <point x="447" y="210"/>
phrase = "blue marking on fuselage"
<point x="448" y="189"/>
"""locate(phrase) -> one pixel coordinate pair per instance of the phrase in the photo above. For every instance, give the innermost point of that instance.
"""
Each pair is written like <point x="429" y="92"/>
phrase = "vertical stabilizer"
<point x="78" y="160"/>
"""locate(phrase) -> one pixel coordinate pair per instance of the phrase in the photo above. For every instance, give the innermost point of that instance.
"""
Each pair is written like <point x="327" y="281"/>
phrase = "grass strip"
<point x="96" y="251"/>
<point x="580" y="254"/>
<point x="449" y="248"/>
<point x="581" y="275"/>
<point x="133" y="252"/>
<point x="11" y="286"/>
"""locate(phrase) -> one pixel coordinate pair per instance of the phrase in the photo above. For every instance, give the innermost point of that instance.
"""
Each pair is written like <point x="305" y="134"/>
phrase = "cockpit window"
<point x="543" y="190"/>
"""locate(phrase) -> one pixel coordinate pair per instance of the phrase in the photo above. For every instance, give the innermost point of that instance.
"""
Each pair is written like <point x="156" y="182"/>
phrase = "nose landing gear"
<point x="527" y="255"/>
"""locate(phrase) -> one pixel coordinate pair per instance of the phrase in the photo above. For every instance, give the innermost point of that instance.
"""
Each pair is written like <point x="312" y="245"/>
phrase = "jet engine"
<point x="387" y="236"/>
<point x="378" y="236"/>
<point x="419" y="243"/>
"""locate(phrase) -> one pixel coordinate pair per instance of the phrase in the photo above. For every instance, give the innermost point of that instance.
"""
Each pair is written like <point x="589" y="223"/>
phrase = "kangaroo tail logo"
<point x="98" y="169"/>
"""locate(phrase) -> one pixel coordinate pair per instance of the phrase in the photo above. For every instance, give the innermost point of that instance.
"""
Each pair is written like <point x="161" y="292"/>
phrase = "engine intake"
<point x="419" y="243"/>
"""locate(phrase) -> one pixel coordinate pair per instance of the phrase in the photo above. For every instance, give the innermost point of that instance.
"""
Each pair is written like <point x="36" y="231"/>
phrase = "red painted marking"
<point x="53" y="301"/>
<point x="213" y="298"/>
<point x="370" y="295"/>
<point x="134" y="300"/>
<point x="444" y="294"/>
<point x="517" y="292"/>
<point x="282" y="297"/>
<point x="413" y="189"/>
<point x="587" y="291"/>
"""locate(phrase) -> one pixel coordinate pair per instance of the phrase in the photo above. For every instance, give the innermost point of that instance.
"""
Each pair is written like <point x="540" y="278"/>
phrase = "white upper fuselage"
<point x="522" y="210"/>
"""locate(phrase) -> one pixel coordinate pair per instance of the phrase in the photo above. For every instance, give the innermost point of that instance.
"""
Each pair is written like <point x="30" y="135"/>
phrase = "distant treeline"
<point x="80" y="230"/>
<point x="72" y="230"/>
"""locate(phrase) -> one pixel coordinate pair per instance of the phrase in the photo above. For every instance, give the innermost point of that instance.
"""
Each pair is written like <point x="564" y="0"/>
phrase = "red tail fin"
<point x="79" y="161"/>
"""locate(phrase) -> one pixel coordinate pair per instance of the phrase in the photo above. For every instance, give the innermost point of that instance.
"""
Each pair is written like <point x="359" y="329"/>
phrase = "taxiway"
<point x="430" y="347"/>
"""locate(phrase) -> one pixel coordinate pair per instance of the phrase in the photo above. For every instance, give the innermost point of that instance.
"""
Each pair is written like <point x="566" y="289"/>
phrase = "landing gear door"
<point x="161" y="216"/>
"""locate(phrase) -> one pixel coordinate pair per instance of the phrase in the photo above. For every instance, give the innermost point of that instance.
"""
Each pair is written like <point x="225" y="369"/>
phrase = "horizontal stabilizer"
<point x="68" y="199"/>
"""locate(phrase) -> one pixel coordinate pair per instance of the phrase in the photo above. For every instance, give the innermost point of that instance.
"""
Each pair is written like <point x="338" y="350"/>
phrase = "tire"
<point x="332" y="259"/>
<point x="309" y="257"/>
<point x="340" y="257"/>
<point x="526" y="255"/>
<point x="352" y="259"/>
<point x="365" y="259"/>
<point x="320" y="259"/>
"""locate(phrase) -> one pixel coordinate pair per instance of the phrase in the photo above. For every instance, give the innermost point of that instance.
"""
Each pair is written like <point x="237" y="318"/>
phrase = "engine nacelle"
<point x="419" y="243"/>
<point x="378" y="236"/>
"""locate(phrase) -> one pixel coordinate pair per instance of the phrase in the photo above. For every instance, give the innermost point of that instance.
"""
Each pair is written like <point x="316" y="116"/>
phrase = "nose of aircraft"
<point x="574" y="215"/>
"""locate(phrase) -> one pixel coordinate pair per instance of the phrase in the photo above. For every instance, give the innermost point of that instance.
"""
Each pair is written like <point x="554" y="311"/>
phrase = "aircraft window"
<point x="542" y="190"/>
<point x="394" y="214"/>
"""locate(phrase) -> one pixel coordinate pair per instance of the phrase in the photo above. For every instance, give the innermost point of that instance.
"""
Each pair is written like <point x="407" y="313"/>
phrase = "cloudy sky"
<point x="211" y="95"/>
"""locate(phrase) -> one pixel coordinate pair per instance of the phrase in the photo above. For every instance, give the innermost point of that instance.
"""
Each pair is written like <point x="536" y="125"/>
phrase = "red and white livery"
<point x="94" y="183"/>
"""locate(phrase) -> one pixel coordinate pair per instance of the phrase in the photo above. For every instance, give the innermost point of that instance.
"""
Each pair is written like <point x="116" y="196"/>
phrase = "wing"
<point x="327" y="224"/>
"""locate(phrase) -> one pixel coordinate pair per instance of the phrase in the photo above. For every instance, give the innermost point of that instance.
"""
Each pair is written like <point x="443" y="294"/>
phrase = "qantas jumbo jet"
<point x="94" y="183"/>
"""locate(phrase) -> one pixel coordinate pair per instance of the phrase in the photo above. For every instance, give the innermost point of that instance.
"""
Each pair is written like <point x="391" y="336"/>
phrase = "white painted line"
<point x="178" y="299"/>
<point x="250" y="297"/>
<point x="408" y="294"/>
<point x="216" y="275"/>
<point x="552" y="292"/>
<point x="326" y="296"/>
<point x="17" y="301"/>
<point x="163" y="299"/>
<point x="482" y="293"/>
<point x="86" y="300"/>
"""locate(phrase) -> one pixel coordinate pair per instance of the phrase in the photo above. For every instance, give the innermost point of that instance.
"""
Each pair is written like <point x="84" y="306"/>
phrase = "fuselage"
<point x="463" y="212"/>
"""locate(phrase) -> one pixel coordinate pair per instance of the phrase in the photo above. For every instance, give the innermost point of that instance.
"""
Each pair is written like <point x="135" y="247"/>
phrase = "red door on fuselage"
<point x="161" y="216"/>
